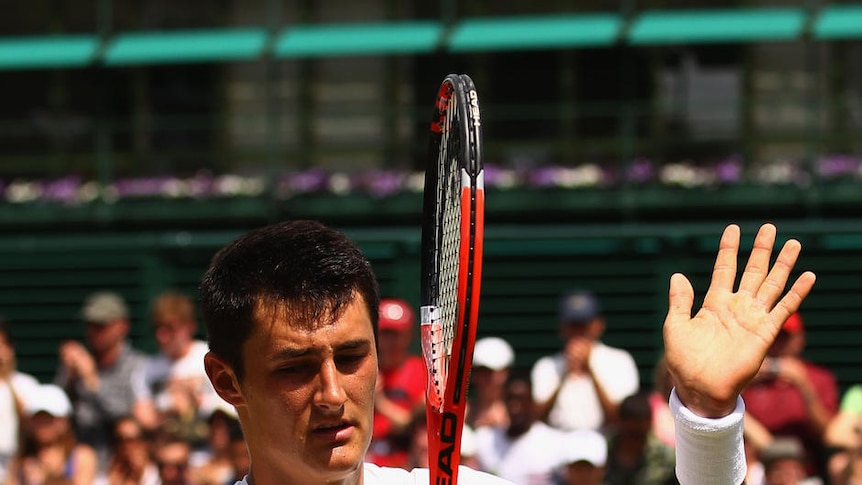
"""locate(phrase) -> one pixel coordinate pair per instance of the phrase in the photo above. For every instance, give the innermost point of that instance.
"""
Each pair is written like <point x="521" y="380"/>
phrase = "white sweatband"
<point x="708" y="451"/>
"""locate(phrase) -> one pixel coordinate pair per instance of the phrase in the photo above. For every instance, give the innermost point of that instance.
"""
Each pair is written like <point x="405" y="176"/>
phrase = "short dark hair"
<point x="636" y="406"/>
<point x="302" y="267"/>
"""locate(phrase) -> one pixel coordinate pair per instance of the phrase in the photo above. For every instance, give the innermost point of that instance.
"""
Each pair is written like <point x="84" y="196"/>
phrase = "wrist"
<point x="706" y="406"/>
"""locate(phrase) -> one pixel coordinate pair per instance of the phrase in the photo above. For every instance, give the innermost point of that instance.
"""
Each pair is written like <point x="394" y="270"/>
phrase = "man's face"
<point x="394" y="347"/>
<point x="173" y="335"/>
<point x="584" y="473"/>
<point x="307" y="397"/>
<point x="519" y="405"/>
<point x="102" y="338"/>
<point x="787" y="471"/>
<point x="173" y="462"/>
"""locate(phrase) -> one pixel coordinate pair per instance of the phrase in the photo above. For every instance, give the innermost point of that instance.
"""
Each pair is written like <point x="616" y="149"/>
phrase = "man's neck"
<point x="256" y="476"/>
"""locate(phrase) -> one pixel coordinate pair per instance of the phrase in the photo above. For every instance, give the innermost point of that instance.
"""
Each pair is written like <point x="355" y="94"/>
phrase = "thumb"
<point x="680" y="297"/>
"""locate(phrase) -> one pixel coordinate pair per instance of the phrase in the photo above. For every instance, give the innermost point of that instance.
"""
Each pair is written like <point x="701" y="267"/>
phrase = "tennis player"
<point x="291" y="313"/>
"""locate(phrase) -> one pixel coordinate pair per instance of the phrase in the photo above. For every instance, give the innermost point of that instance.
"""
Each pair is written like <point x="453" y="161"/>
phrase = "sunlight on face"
<point x="309" y="396"/>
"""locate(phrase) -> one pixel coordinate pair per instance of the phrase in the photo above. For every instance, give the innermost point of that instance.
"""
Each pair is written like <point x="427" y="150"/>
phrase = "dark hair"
<point x="519" y="374"/>
<point x="636" y="406"/>
<point x="303" y="268"/>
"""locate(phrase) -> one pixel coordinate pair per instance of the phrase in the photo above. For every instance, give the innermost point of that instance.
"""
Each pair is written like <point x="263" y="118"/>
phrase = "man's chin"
<point x="342" y="461"/>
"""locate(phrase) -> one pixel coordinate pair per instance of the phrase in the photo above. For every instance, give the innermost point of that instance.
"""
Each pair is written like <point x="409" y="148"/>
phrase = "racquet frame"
<point x="448" y="363"/>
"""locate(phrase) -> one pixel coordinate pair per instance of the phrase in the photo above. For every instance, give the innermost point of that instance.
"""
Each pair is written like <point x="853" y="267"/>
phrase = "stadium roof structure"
<point x="471" y="34"/>
<point x="185" y="46"/>
<point x="57" y="51"/>
<point x="545" y="32"/>
<point x="358" y="39"/>
<point x="838" y="22"/>
<point x="717" y="25"/>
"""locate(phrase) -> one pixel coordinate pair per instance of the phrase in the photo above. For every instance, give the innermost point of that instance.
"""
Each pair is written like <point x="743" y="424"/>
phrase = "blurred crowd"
<point x="115" y="415"/>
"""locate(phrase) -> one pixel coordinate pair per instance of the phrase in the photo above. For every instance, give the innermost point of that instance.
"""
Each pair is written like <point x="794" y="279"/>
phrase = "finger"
<point x="776" y="280"/>
<point x="758" y="262"/>
<point x="680" y="298"/>
<point x="724" y="270"/>
<point x="791" y="301"/>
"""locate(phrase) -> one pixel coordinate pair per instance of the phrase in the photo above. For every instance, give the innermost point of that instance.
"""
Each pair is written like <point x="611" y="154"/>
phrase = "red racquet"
<point x="452" y="233"/>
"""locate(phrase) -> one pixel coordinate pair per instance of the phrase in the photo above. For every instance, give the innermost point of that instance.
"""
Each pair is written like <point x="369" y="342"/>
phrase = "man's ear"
<point x="223" y="379"/>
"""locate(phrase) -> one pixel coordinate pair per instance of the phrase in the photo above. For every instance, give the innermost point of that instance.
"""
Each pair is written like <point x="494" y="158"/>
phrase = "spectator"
<point x="16" y="389"/>
<point x="635" y="455"/>
<point x="585" y="454"/>
<point x="582" y="386"/>
<point x="492" y="358"/>
<point x="131" y="463"/>
<point x="784" y="463"/>
<point x="662" y="418"/>
<point x="171" y="453"/>
<point x="844" y="436"/>
<point x="173" y="385"/>
<point x="756" y="438"/>
<point x="793" y="397"/>
<point x="213" y="466"/>
<point x="400" y="392"/>
<point x="239" y="458"/>
<point x="50" y="451"/>
<point x="526" y="451"/>
<point x="419" y="446"/>
<point x="98" y="377"/>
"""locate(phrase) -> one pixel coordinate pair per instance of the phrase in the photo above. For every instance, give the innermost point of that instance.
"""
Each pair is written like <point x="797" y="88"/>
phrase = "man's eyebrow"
<point x="296" y="352"/>
<point x="354" y="344"/>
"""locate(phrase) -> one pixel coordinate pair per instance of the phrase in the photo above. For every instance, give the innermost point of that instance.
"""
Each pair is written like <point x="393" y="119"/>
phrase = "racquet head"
<point x="451" y="266"/>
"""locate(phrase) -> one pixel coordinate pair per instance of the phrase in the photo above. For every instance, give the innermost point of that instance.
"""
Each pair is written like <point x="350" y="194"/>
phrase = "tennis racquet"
<point x="452" y="233"/>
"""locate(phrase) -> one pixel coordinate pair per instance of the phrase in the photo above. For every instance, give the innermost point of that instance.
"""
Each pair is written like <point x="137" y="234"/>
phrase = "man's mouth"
<point x="331" y="427"/>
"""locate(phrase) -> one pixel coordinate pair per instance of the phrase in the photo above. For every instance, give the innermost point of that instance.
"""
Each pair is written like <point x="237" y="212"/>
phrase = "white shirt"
<point x="151" y="384"/>
<point x="375" y="475"/>
<point x="529" y="459"/>
<point x="24" y="386"/>
<point x="578" y="405"/>
<point x="708" y="452"/>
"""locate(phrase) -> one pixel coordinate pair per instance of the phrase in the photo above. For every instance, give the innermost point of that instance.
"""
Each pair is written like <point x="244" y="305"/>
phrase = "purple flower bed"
<point x="641" y="172"/>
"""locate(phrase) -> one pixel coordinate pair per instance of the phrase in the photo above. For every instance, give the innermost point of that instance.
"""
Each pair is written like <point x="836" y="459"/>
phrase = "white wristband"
<point x="708" y="451"/>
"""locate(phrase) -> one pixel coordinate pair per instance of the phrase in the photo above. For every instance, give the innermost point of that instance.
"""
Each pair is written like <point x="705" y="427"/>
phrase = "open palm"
<point x="715" y="354"/>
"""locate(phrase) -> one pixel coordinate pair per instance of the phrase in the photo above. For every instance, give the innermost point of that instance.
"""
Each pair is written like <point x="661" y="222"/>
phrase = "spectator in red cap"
<point x="400" y="392"/>
<point x="793" y="397"/>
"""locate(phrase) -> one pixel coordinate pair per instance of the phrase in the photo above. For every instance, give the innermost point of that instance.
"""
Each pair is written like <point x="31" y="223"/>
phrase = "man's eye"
<point x="294" y="369"/>
<point x="351" y="359"/>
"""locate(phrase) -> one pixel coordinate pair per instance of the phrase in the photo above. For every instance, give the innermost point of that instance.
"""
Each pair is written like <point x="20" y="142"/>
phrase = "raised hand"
<point x="715" y="354"/>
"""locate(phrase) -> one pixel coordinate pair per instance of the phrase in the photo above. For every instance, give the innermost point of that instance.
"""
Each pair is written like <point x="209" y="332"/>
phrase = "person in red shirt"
<point x="400" y="392"/>
<point x="793" y="397"/>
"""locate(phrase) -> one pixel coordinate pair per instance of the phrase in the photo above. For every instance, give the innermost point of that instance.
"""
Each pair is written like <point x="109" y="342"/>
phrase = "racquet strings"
<point x="449" y="241"/>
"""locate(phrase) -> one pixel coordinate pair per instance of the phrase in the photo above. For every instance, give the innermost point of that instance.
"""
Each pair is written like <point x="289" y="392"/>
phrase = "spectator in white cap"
<point x="50" y="452"/>
<point x="585" y="453"/>
<point x="492" y="359"/>
<point x="583" y="385"/>
<point x="98" y="376"/>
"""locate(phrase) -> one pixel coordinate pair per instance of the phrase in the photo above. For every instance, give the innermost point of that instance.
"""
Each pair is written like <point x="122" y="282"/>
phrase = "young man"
<point x="291" y="311"/>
